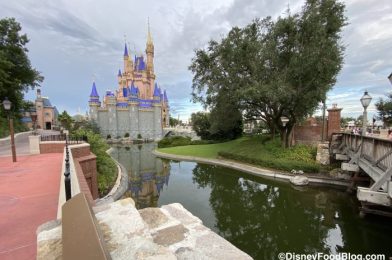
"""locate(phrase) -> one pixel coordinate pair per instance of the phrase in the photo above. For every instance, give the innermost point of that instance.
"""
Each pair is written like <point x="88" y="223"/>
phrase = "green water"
<point x="260" y="216"/>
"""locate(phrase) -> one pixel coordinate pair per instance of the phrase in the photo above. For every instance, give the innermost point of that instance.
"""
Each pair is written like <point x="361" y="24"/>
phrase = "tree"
<point x="174" y="122"/>
<point x="225" y="120"/>
<point x="16" y="73"/>
<point x="274" y="69"/>
<point x="201" y="124"/>
<point x="384" y="108"/>
<point x="65" y="120"/>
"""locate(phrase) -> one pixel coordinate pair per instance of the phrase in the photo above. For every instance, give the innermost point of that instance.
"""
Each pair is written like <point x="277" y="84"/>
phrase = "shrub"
<point x="106" y="167"/>
<point x="280" y="163"/>
<point x="139" y="136"/>
<point x="126" y="135"/>
<point x="108" y="137"/>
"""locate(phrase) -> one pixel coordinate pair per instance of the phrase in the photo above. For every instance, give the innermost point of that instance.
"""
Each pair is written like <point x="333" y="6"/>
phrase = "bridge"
<point x="370" y="160"/>
<point x="185" y="131"/>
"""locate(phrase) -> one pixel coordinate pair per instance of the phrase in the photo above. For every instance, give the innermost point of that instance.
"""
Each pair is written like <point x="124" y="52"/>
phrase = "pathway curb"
<point x="256" y="171"/>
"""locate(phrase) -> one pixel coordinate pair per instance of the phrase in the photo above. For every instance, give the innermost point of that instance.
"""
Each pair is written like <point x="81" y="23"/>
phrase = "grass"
<point x="106" y="167"/>
<point x="257" y="150"/>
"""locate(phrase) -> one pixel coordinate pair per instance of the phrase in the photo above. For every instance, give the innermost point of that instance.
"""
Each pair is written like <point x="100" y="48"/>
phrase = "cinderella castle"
<point x="139" y="108"/>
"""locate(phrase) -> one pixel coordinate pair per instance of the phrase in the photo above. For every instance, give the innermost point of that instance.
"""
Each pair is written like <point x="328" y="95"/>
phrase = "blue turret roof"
<point x="139" y="63"/>
<point x="156" y="91"/>
<point x="119" y="73"/>
<point x="94" y="92"/>
<point x="133" y="90"/>
<point x="109" y="93"/>
<point x="125" y="92"/>
<point x="125" y="50"/>
<point x="165" y="96"/>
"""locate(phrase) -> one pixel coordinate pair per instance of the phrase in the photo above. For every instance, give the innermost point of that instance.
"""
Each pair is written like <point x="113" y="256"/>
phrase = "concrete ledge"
<point x="256" y="171"/>
<point x="169" y="232"/>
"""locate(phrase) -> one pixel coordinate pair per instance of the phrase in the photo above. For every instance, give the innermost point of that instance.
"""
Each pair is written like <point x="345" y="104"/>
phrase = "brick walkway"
<point x="29" y="192"/>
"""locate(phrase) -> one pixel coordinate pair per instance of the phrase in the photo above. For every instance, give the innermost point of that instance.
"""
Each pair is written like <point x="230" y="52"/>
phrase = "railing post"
<point x="67" y="179"/>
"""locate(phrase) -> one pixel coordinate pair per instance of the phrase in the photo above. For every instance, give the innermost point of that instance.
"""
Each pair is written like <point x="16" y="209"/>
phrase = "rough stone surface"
<point x="170" y="235"/>
<point x="178" y="212"/>
<point x="49" y="244"/>
<point x="323" y="153"/>
<point x="170" y="232"/>
<point x="153" y="217"/>
<point x="299" y="180"/>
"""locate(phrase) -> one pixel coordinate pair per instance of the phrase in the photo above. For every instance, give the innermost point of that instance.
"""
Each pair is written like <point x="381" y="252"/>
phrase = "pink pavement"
<point x="29" y="192"/>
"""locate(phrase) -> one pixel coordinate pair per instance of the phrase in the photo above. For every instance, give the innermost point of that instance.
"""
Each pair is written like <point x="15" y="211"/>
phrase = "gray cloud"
<point x="72" y="40"/>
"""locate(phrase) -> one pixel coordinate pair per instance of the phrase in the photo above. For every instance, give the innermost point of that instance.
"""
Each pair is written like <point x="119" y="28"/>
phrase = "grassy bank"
<point x="257" y="150"/>
<point x="106" y="167"/>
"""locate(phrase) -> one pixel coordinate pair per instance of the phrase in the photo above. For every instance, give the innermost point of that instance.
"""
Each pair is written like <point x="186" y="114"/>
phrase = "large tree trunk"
<point x="289" y="136"/>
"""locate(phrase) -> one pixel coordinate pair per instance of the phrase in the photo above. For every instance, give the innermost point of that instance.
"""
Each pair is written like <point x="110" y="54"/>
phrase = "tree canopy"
<point x="16" y="73"/>
<point x="384" y="108"/>
<point x="66" y="120"/>
<point x="271" y="69"/>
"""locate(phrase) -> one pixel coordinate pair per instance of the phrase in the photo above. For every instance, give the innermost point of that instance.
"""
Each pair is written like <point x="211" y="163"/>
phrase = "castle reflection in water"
<point x="147" y="174"/>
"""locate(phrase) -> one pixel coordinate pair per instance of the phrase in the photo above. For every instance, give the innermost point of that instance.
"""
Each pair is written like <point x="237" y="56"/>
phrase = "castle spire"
<point x="125" y="50"/>
<point x="149" y="38"/>
<point x="94" y="92"/>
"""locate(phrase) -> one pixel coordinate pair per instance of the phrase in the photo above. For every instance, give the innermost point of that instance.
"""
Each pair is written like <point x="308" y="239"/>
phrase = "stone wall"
<point x="52" y="147"/>
<point x="133" y="120"/>
<point x="86" y="169"/>
<point x="308" y="134"/>
<point x="169" y="232"/>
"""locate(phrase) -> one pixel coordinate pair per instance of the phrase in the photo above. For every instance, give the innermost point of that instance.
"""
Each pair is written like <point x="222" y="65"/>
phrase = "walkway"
<point x="21" y="144"/>
<point x="29" y="192"/>
<point x="254" y="170"/>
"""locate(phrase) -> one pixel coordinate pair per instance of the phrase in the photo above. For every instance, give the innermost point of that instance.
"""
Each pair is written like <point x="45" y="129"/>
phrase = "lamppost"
<point x="284" y="120"/>
<point x="7" y="107"/>
<point x="365" y="100"/>
<point x="33" y="115"/>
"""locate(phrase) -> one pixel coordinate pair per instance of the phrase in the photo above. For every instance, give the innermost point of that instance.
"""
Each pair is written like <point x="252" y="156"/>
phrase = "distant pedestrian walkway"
<point x="21" y="143"/>
<point x="29" y="191"/>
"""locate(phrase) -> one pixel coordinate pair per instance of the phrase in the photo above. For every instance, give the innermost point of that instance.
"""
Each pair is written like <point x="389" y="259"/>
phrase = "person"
<point x="390" y="134"/>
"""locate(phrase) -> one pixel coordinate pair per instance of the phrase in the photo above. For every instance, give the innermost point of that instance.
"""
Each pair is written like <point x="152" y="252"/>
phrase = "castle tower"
<point x="150" y="53"/>
<point x="94" y="102"/>
<point x="127" y="62"/>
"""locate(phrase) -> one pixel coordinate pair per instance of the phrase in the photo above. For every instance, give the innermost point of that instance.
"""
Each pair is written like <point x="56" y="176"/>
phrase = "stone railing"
<point x="119" y="231"/>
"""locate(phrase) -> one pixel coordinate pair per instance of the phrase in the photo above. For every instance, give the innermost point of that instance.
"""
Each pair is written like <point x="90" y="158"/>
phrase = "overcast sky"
<point x="72" y="40"/>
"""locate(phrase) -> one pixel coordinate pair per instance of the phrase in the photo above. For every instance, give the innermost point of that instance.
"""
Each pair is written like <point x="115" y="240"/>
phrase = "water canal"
<point x="260" y="216"/>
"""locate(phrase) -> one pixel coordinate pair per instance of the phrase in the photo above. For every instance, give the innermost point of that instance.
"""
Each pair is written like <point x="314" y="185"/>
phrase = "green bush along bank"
<point x="258" y="150"/>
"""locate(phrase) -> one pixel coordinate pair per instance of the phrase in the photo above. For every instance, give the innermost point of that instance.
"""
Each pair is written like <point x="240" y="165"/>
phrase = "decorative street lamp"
<point x="365" y="100"/>
<point x="7" y="107"/>
<point x="284" y="120"/>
